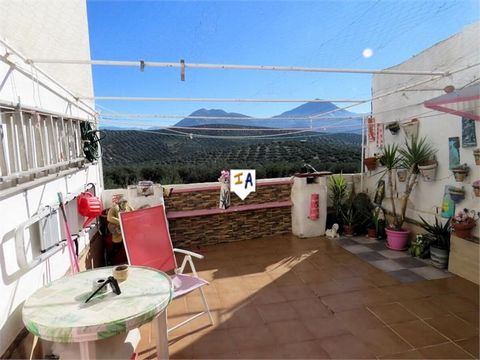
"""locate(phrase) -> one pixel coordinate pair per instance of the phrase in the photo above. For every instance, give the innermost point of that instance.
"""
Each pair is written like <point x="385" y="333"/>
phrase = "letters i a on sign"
<point x="242" y="182"/>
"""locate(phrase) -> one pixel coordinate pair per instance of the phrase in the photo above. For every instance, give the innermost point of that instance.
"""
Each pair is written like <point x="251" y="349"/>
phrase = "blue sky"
<point x="290" y="33"/>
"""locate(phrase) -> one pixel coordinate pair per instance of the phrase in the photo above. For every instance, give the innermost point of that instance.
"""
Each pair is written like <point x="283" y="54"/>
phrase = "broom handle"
<point x="71" y="251"/>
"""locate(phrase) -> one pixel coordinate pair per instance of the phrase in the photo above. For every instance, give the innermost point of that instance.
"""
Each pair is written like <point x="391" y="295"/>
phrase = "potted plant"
<point x="402" y="175"/>
<point x="420" y="247"/>
<point x="394" y="127"/>
<point x="415" y="152"/>
<point x="370" y="163"/>
<point x="373" y="224"/>
<point x="464" y="222"/>
<point x="337" y="191"/>
<point x="349" y="218"/>
<point x="476" y="154"/>
<point x="410" y="128"/>
<point x="439" y="236"/>
<point x="428" y="169"/>
<point x="457" y="193"/>
<point x="460" y="172"/>
<point x="476" y="188"/>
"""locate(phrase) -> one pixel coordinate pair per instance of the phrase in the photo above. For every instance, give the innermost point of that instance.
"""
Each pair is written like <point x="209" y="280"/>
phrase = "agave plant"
<point x="337" y="189"/>
<point x="416" y="151"/>
<point x="438" y="233"/>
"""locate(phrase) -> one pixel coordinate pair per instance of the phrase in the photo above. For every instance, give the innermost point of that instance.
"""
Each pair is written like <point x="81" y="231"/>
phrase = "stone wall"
<point x="191" y="231"/>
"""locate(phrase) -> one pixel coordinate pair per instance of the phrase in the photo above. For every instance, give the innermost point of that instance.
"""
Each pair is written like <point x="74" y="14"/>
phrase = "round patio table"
<point x="58" y="312"/>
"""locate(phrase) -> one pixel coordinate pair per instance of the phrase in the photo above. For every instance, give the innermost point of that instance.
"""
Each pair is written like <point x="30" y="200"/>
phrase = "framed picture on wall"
<point x="453" y="152"/>
<point x="469" y="137"/>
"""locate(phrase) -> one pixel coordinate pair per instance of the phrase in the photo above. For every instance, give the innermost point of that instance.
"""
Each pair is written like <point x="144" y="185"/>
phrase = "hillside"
<point x="287" y="119"/>
<point x="160" y="155"/>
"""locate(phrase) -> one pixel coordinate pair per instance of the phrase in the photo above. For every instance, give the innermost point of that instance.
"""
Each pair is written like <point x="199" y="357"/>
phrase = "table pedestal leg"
<point x="87" y="350"/>
<point x="160" y="323"/>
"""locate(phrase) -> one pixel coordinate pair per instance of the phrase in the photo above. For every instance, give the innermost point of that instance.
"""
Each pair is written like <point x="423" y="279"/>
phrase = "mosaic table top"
<point x="58" y="312"/>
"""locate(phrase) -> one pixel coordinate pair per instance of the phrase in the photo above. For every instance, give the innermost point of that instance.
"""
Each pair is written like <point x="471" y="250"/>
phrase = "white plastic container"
<point x="304" y="185"/>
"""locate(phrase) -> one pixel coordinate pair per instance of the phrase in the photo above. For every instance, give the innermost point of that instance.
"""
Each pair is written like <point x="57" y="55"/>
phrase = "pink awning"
<point x="464" y="102"/>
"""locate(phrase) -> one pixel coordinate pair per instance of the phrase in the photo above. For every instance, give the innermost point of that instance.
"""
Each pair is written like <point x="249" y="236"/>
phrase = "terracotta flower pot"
<point x="428" y="171"/>
<point x="410" y="128"/>
<point x="402" y="175"/>
<point x="370" y="163"/>
<point x="372" y="233"/>
<point x="476" y="154"/>
<point x="348" y="230"/>
<point x="464" y="229"/>
<point x="397" y="239"/>
<point x="460" y="174"/>
<point x="476" y="191"/>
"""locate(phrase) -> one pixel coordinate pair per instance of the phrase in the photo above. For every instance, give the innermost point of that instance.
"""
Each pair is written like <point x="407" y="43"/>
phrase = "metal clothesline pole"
<point x="141" y="64"/>
<point x="76" y="102"/>
<point x="240" y="100"/>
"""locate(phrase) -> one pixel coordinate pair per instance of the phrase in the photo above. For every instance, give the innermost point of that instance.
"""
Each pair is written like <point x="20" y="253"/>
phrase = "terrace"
<point x="278" y="287"/>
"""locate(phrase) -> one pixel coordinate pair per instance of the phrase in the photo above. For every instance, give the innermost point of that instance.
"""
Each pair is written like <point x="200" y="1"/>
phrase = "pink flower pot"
<point x="397" y="240"/>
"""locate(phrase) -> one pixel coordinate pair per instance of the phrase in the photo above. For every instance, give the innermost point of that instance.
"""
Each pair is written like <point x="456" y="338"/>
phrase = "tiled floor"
<point x="284" y="297"/>
<point x="399" y="264"/>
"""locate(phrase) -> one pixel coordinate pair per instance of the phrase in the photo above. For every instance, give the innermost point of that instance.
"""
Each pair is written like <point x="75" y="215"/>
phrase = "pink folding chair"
<point x="147" y="243"/>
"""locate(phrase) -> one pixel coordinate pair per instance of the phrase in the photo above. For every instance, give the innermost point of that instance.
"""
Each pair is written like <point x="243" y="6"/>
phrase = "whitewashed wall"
<point x="456" y="52"/>
<point x="40" y="29"/>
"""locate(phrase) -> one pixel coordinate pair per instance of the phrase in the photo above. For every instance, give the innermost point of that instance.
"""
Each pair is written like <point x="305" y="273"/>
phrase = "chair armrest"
<point x="186" y="252"/>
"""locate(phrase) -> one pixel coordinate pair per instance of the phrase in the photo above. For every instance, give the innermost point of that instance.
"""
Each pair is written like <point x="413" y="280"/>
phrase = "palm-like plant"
<point x="438" y="233"/>
<point x="416" y="152"/>
<point x="337" y="186"/>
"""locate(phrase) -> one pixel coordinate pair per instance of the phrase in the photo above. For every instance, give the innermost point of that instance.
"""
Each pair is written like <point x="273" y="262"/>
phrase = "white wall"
<point x="40" y="29"/>
<point x="456" y="52"/>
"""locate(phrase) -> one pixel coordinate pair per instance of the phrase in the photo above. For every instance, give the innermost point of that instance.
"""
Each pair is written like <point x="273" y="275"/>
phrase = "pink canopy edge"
<point x="470" y="93"/>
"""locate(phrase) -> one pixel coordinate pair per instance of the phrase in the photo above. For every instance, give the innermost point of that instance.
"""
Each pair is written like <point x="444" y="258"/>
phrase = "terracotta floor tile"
<point x="328" y="288"/>
<point x="344" y="301"/>
<point x="444" y="351"/>
<point x="266" y="352"/>
<point x="403" y="292"/>
<point x="268" y="295"/>
<point x="379" y="278"/>
<point x="245" y="316"/>
<point x="255" y="337"/>
<point x="297" y="292"/>
<point x="376" y="296"/>
<point x="215" y="342"/>
<point x="316" y="276"/>
<point x="358" y="319"/>
<point x="310" y="308"/>
<point x="418" y="333"/>
<point x="422" y="308"/>
<point x="284" y="279"/>
<point x="383" y="341"/>
<point x="231" y="300"/>
<point x="304" y="350"/>
<point x="413" y="354"/>
<point x="277" y="312"/>
<point x="392" y="313"/>
<point x="346" y="346"/>
<point x="195" y="303"/>
<point x="453" y="303"/>
<point x="257" y="281"/>
<point x="472" y="317"/>
<point x="470" y="345"/>
<point x="325" y="327"/>
<point x="290" y="331"/>
<point x="453" y="327"/>
<point x="177" y="306"/>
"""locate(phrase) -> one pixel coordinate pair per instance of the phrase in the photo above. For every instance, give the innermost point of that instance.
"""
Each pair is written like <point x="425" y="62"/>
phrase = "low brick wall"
<point x="229" y="226"/>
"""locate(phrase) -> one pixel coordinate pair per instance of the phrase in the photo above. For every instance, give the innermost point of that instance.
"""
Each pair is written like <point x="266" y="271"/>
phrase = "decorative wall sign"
<point x="380" y="135"/>
<point x="453" y="152"/>
<point x="469" y="137"/>
<point x="242" y="182"/>
<point x="448" y="205"/>
<point x="371" y="129"/>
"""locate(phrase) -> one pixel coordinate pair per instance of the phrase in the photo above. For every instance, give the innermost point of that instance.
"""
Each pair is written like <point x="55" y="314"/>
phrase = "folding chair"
<point x="147" y="243"/>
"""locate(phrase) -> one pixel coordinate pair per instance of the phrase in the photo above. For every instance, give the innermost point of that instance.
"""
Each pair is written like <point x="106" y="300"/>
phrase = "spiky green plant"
<point x="438" y="233"/>
<point x="337" y="191"/>
<point x="416" y="151"/>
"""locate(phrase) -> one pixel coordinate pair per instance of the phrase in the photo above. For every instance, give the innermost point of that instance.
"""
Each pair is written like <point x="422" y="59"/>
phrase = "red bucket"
<point x="89" y="206"/>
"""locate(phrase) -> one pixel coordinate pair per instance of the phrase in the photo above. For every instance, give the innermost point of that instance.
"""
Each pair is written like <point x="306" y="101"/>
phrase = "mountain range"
<point x="339" y="121"/>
